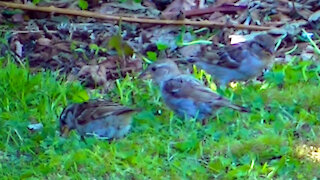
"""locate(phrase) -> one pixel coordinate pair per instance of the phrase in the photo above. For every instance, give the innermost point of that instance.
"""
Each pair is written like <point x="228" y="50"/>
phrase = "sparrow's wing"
<point x="230" y="56"/>
<point x="185" y="86"/>
<point x="96" y="109"/>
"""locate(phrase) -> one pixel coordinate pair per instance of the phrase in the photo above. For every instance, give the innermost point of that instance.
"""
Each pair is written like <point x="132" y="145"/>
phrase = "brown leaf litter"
<point x="81" y="46"/>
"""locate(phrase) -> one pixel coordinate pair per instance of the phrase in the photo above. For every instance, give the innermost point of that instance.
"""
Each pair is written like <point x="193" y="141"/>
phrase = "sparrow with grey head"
<point x="184" y="94"/>
<point x="239" y="62"/>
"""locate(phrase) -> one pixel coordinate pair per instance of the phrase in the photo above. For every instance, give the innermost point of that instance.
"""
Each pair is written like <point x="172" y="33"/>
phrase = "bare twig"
<point x="71" y="12"/>
<point x="27" y="32"/>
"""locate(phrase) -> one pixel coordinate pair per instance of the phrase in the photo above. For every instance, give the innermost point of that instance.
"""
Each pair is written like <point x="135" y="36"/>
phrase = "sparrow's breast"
<point x="104" y="127"/>
<point x="251" y="66"/>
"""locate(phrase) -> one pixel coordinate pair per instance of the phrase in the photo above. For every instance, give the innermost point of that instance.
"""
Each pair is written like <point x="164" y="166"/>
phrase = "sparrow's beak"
<point x="270" y="50"/>
<point x="145" y="74"/>
<point x="64" y="131"/>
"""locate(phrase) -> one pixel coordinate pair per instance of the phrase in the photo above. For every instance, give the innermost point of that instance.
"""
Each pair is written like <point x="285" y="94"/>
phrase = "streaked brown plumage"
<point x="184" y="94"/>
<point x="101" y="118"/>
<point x="237" y="62"/>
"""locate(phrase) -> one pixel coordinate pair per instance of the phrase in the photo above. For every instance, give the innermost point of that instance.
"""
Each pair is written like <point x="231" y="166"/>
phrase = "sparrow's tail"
<point x="239" y="108"/>
<point x="128" y="111"/>
<point x="222" y="102"/>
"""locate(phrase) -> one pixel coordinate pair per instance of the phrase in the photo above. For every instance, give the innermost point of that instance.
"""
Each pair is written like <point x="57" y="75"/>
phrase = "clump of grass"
<point x="26" y="99"/>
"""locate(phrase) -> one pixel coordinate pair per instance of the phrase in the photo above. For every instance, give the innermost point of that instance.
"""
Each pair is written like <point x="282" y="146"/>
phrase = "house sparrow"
<point x="238" y="62"/>
<point x="184" y="94"/>
<point x="101" y="118"/>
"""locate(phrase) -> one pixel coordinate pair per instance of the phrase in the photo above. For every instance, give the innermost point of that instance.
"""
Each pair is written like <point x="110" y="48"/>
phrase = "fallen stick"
<point x="88" y="14"/>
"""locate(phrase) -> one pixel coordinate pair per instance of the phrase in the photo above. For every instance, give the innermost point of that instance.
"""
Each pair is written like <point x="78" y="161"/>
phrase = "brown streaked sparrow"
<point x="239" y="62"/>
<point x="101" y="118"/>
<point x="184" y="94"/>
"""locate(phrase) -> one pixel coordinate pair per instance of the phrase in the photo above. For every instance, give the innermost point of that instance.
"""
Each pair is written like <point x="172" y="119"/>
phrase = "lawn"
<point x="272" y="141"/>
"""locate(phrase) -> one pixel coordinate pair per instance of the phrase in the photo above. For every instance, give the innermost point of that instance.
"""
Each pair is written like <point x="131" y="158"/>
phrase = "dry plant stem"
<point x="71" y="12"/>
<point x="26" y="32"/>
<point x="197" y="12"/>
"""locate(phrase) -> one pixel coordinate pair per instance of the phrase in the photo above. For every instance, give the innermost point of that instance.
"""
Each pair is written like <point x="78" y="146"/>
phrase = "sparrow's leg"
<point x="83" y="139"/>
<point x="205" y="122"/>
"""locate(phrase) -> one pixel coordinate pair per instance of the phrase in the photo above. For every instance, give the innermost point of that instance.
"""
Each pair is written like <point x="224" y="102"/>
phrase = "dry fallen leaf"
<point x="94" y="75"/>
<point x="315" y="16"/>
<point x="44" y="41"/>
<point x="309" y="152"/>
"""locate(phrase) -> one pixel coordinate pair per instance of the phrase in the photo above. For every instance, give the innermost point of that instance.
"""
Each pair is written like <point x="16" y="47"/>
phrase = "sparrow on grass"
<point x="184" y="94"/>
<point x="101" y="118"/>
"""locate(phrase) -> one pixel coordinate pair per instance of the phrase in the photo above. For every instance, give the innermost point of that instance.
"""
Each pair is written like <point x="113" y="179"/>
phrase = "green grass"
<point x="260" y="144"/>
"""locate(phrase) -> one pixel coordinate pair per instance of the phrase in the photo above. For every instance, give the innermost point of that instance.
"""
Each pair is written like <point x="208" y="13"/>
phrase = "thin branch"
<point x="26" y="32"/>
<point x="88" y="14"/>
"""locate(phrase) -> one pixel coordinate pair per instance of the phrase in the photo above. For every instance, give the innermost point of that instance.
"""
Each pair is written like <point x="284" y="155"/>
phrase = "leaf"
<point x="83" y="4"/>
<point x="80" y="96"/>
<point x="95" y="48"/>
<point x="315" y="16"/>
<point x="152" y="55"/>
<point x="121" y="47"/>
<point x="35" y="2"/>
<point x="115" y="43"/>
<point x="161" y="46"/>
<point x="128" y="51"/>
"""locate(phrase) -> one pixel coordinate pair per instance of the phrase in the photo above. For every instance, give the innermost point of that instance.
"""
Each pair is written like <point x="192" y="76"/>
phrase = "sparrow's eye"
<point x="153" y="69"/>
<point x="261" y="45"/>
<point x="257" y="46"/>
